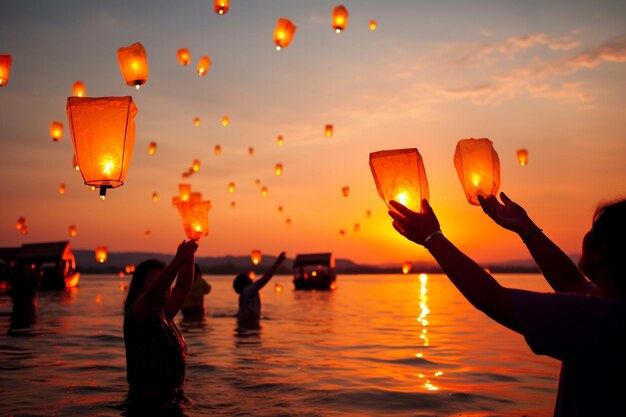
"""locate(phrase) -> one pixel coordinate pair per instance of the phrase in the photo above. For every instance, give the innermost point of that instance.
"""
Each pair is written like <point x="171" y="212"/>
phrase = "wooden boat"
<point x="314" y="271"/>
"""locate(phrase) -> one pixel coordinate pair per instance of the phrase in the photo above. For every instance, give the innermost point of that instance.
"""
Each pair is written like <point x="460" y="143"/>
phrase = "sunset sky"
<point x="546" y="76"/>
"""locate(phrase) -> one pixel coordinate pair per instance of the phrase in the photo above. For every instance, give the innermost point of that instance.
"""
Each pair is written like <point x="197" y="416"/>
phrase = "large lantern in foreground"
<point x="203" y="65"/>
<point x="103" y="135"/>
<point x="522" y="157"/>
<point x="183" y="55"/>
<point x="478" y="167"/>
<point x="195" y="217"/>
<point x="340" y="18"/>
<point x="101" y="254"/>
<point x="56" y="131"/>
<point x="283" y="33"/>
<point x="5" y="69"/>
<point x="256" y="257"/>
<point x="221" y="6"/>
<point x="134" y="64"/>
<point x="78" y="89"/>
<point x="399" y="175"/>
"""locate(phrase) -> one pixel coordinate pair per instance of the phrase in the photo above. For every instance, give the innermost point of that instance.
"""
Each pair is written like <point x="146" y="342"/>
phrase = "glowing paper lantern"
<point x="218" y="150"/>
<point x="233" y="204"/>
<point x="283" y="33"/>
<point x="221" y="6"/>
<point x="203" y="65"/>
<point x="288" y="222"/>
<point x="73" y="231"/>
<point x="147" y="234"/>
<point x="341" y="234"/>
<point x="251" y="151"/>
<point x="5" y="69"/>
<point x="257" y="182"/>
<point x="103" y="134"/>
<point x="231" y="187"/>
<point x="406" y="267"/>
<point x="184" y="192"/>
<point x="152" y="148"/>
<point x="478" y="167"/>
<point x="75" y="163"/>
<point x="56" y="131"/>
<point x="196" y="121"/>
<point x="522" y="157"/>
<point x="225" y="121"/>
<point x="21" y="222"/>
<point x="340" y="18"/>
<point x="368" y="213"/>
<point x="155" y="197"/>
<point x="129" y="268"/>
<point x="278" y="287"/>
<point x="256" y="257"/>
<point x="195" y="167"/>
<point x="357" y="227"/>
<point x="280" y="141"/>
<point x="24" y="230"/>
<point x="372" y="25"/>
<point x="279" y="169"/>
<point x="101" y="254"/>
<point x="62" y="189"/>
<point x="78" y="89"/>
<point x="345" y="191"/>
<point x="134" y="64"/>
<point x="280" y="209"/>
<point x="183" y="55"/>
<point x="195" y="218"/>
<point x="264" y="191"/>
<point x="328" y="130"/>
<point x="400" y="175"/>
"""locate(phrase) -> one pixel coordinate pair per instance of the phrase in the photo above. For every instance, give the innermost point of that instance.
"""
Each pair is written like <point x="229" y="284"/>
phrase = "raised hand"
<point x="186" y="250"/>
<point x="507" y="214"/>
<point x="414" y="226"/>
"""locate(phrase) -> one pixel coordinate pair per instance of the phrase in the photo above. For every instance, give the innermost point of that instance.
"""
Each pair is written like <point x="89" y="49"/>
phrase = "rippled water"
<point x="380" y="345"/>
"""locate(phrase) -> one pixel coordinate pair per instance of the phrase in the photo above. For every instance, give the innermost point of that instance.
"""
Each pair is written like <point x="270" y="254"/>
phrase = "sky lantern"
<point x="183" y="55"/>
<point x="522" y="157"/>
<point x="251" y="151"/>
<point x="368" y="213"/>
<point x="341" y="234"/>
<point x="478" y="166"/>
<point x="218" y="150"/>
<point x="152" y="148"/>
<point x="195" y="218"/>
<point x="278" y="287"/>
<point x="195" y="167"/>
<point x="257" y="182"/>
<point x="101" y="254"/>
<point x="357" y="227"/>
<point x="288" y="222"/>
<point x="147" y="234"/>
<point x="264" y="191"/>
<point x="280" y="209"/>
<point x="225" y="121"/>
<point x="24" y="230"/>
<point x="340" y="18"/>
<point x="134" y="64"/>
<point x="103" y="134"/>
<point x="280" y="141"/>
<point x="196" y="121"/>
<point x="328" y="130"/>
<point x="400" y="175"/>
<point x="78" y="89"/>
<point x="73" y="231"/>
<point x="56" y="131"/>
<point x="62" y="189"/>
<point x="256" y="257"/>
<point x="20" y="223"/>
<point x="184" y="192"/>
<point x="345" y="191"/>
<point x="233" y="204"/>
<point x="279" y="169"/>
<point x="283" y="33"/>
<point x="222" y="6"/>
<point x="372" y="25"/>
<point x="406" y="267"/>
<point x="203" y="65"/>
<point x="5" y="69"/>
<point x="231" y="187"/>
<point x="155" y="197"/>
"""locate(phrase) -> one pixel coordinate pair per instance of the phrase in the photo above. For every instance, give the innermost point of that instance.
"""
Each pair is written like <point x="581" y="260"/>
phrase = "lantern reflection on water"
<point x="283" y="33"/>
<point x="133" y="64"/>
<point x="478" y="167"/>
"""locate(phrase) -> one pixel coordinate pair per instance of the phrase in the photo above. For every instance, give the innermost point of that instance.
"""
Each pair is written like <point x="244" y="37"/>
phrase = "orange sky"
<point x="549" y="78"/>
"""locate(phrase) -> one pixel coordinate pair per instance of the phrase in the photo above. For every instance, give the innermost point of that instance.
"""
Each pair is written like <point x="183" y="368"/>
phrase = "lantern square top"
<point x="134" y="64"/>
<point x="5" y="69"/>
<point x="478" y="167"/>
<point x="103" y="135"/>
<point x="400" y="175"/>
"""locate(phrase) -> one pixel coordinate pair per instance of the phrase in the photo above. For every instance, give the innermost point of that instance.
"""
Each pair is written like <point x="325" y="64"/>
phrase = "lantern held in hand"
<point x="522" y="157"/>
<point x="478" y="167"/>
<point x="283" y="33"/>
<point x="256" y="257"/>
<point x="78" y="89"/>
<point x="340" y="18"/>
<point x="183" y="55"/>
<point x="400" y="175"/>
<point x="134" y="64"/>
<point x="101" y="254"/>
<point x="195" y="217"/>
<point x="56" y="131"/>
<point x="203" y="65"/>
<point x="103" y="134"/>
<point x="5" y="69"/>
<point x="221" y="6"/>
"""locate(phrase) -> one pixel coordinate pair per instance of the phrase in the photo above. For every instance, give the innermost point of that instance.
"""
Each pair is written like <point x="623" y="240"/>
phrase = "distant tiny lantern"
<point x="341" y="234"/>
<point x="155" y="197"/>
<point x="278" y="287"/>
<point x="75" y="163"/>
<point x="328" y="130"/>
<point x="195" y="167"/>
<point x="372" y="25"/>
<point x="225" y="121"/>
<point x="195" y="218"/>
<point x="231" y="187"/>
<point x="184" y="192"/>
<point x="264" y="191"/>
<point x="21" y="222"/>
<point x="101" y="254"/>
<point x="233" y="204"/>
<point x="280" y="141"/>
<point x="62" y="189"/>
<point x="5" y="69"/>
<point x="222" y="6"/>
<point x="203" y="65"/>
<point x="250" y="151"/>
<point x="368" y="213"/>
<point x="522" y="157"/>
<point x="78" y="89"/>
<point x="147" y="234"/>
<point x="478" y="167"/>
<point x="279" y="169"/>
<point x="73" y="231"/>
<point x="400" y="175"/>
<point x="256" y="257"/>
<point x="288" y="222"/>
<point x="183" y="55"/>
<point x="130" y="268"/>
<point x="218" y="150"/>
<point x="196" y="121"/>
<point x="103" y="134"/>
<point x="406" y="267"/>
<point x="345" y="191"/>
<point x="283" y="33"/>
<point x="56" y="131"/>
<point x="257" y="182"/>
<point x="357" y="227"/>
<point x="134" y="64"/>
<point x="280" y="209"/>
<point x="152" y="148"/>
<point x="340" y="18"/>
<point x="24" y="230"/>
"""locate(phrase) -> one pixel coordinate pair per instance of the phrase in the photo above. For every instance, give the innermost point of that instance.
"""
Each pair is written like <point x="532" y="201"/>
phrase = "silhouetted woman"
<point x="155" y="349"/>
<point x="582" y="324"/>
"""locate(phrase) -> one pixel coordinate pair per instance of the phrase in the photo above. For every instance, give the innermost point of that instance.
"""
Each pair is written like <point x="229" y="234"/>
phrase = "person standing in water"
<point x="193" y="309"/>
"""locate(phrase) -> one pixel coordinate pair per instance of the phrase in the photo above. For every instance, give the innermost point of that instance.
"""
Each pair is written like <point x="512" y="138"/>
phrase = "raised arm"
<point x="558" y="269"/>
<point x="479" y="287"/>
<point x="184" y="282"/>
<point x="154" y="294"/>
<point x="260" y="283"/>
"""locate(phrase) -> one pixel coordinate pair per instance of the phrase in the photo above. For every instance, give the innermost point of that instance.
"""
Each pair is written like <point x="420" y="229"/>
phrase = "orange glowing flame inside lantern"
<point x="225" y="121"/>
<point x="278" y="287"/>
<point x="328" y="130"/>
<point x="279" y="169"/>
<point x="406" y="267"/>
<point x="478" y="168"/>
<point x="522" y="157"/>
<point x="75" y="163"/>
<point x="221" y="6"/>
<point x="133" y="64"/>
<point x="20" y="223"/>
<point x="78" y="89"/>
<point x="203" y="66"/>
<point x="5" y="69"/>
<point x="283" y="33"/>
<point x="73" y="231"/>
<point x="256" y="257"/>
<point x="340" y="18"/>
<point x="56" y="131"/>
<point x="400" y="175"/>
<point x="101" y="254"/>
<point x="183" y="55"/>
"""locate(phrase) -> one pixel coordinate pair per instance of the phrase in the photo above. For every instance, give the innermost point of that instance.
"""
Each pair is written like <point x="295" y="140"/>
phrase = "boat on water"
<point x="314" y="271"/>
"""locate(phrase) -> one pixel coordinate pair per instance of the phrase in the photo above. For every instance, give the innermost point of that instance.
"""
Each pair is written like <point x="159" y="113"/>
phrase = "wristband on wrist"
<point x="531" y="234"/>
<point x="430" y="236"/>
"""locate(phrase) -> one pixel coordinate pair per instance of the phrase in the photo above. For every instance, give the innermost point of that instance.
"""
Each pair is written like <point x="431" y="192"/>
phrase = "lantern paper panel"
<point x="195" y="218"/>
<point x="203" y="66"/>
<point x="78" y="89"/>
<point x="478" y="167"/>
<point x="195" y="197"/>
<point x="221" y="6"/>
<point x="103" y="135"/>
<point x="406" y="267"/>
<point x="101" y="254"/>
<point x="56" y="131"/>
<point x="183" y="55"/>
<point x="522" y="157"/>
<point x="400" y="175"/>
<point x="328" y="130"/>
<point x="283" y="33"/>
<point x="340" y="18"/>
<point x="5" y="69"/>
<point x="256" y="257"/>
<point x="133" y="64"/>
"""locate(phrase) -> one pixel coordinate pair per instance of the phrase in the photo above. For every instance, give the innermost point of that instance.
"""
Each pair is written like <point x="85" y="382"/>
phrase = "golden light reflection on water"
<point x="424" y="311"/>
